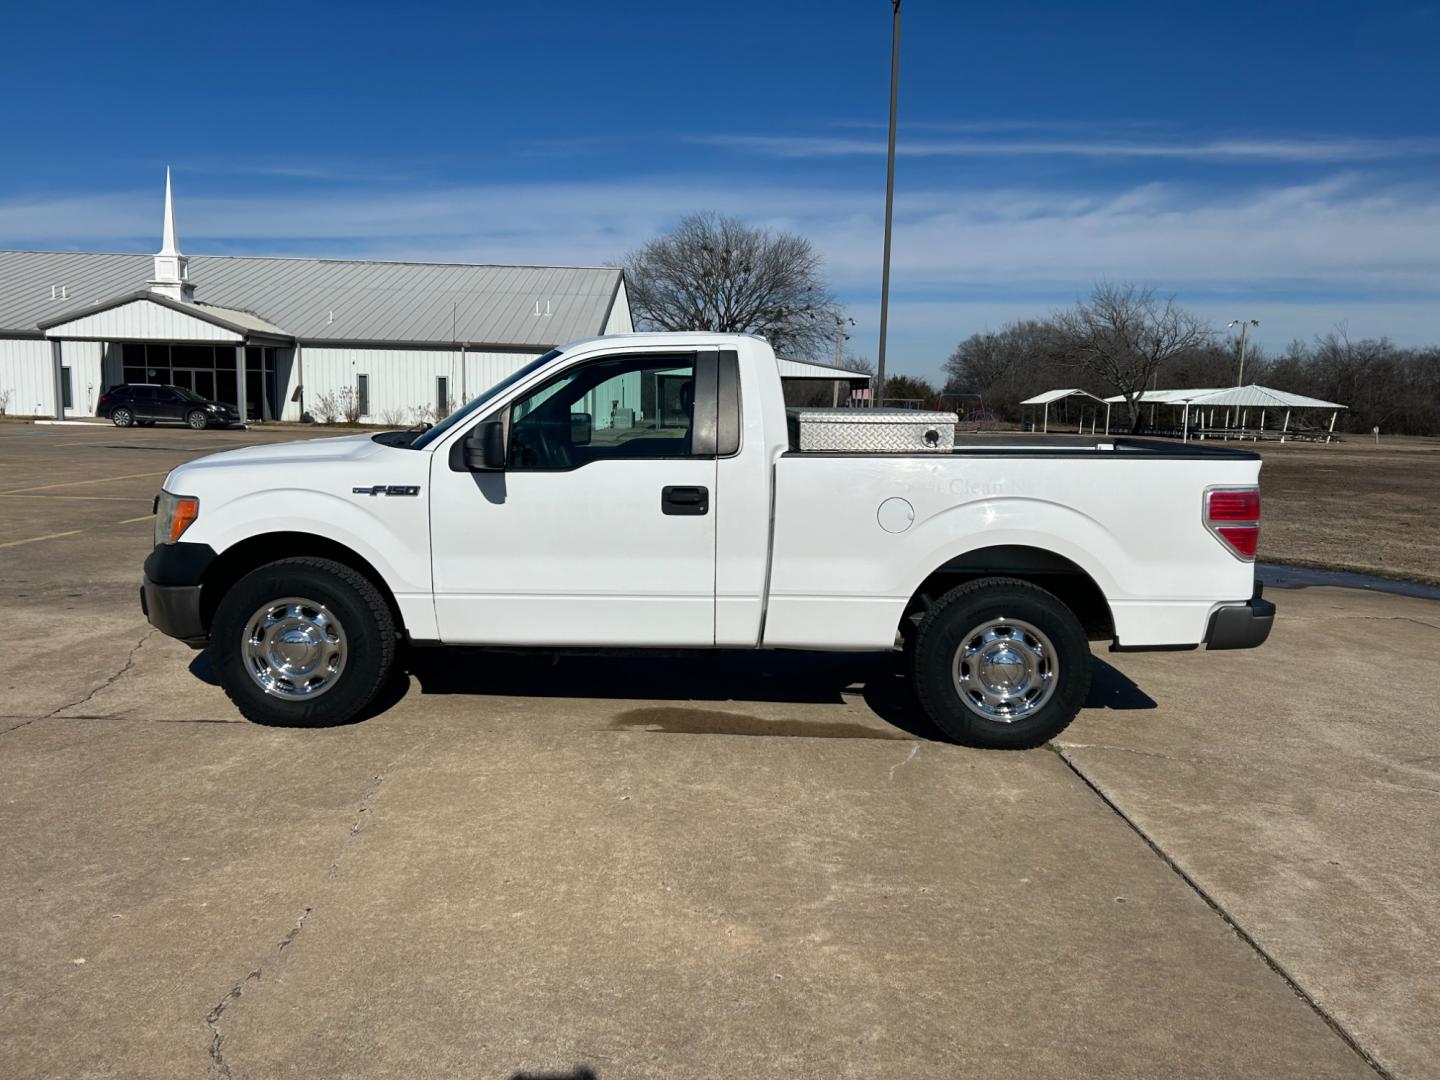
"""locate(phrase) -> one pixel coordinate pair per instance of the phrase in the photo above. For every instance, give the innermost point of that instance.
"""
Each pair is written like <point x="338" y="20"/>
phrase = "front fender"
<point x="389" y="532"/>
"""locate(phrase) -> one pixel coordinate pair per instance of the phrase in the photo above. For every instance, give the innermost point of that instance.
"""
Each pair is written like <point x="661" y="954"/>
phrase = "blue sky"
<point x="1279" y="161"/>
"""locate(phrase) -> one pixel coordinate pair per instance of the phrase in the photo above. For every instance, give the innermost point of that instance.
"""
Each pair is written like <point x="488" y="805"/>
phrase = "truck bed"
<point x="856" y="533"/>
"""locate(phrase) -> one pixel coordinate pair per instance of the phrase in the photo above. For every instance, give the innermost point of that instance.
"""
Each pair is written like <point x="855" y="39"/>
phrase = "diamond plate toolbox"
<point x="871" y="430"/>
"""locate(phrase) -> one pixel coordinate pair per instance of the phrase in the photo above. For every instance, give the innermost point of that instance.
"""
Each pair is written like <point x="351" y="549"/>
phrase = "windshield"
<point x="188" y="395"/>
<point x="459" y="416"/>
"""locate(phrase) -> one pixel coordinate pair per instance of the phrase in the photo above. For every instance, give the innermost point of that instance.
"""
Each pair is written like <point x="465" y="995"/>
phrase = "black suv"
<point x="142" y="403"/>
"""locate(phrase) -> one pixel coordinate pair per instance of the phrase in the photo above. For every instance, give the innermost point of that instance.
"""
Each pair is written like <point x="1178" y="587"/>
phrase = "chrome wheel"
<point x="294" y="648"/>
<point x="1005" y="670"/>
<point x="197" y="420"/>
<point x="122" y="418"/>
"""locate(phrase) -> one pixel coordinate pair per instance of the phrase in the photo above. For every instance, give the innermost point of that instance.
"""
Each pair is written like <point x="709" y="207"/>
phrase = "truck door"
<point x="601" y="528"/>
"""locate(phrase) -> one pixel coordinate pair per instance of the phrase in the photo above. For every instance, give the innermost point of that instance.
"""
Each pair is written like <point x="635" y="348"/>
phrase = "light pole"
<point x="889" y="200"/>
<point x="840" y="338"/>
<point x="1244" y="325"/>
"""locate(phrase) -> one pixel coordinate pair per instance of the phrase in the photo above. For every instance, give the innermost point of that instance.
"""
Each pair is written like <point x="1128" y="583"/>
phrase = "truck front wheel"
<point x="1000" y="663"/>
<point x="304" y="641"/>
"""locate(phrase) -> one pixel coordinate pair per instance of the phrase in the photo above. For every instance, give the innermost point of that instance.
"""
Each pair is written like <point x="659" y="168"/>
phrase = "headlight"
<point x="173" y="515"/>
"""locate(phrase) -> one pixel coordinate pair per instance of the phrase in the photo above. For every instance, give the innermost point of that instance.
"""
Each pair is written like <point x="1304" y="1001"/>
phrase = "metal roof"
<point x="244" y="321"/>
<point x="1055" y="395"/>
<point x="1168" y="397"/>
<point x="806" y="369"/>
<point x="1263" y="397"/>
<point x="332" y="299"/>
<point x="1250" y="397"/>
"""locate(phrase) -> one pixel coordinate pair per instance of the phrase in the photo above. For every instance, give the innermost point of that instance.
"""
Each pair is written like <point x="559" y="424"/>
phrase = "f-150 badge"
<point x="388" y="489"/>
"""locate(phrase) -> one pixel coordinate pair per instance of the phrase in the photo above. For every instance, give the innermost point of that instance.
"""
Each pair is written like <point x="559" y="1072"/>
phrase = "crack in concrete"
<point x="1362" y="618"/>
<point x="124" y="714"/>
<point x="913" y="751"/>
<point x="289" y="938"/>
<point x="1397" y="618"/>
<point x="124" y="670"/>
<point x="1230" y="921"/>
<point x="54" y="714"/>
<point x="219" y="1066"/>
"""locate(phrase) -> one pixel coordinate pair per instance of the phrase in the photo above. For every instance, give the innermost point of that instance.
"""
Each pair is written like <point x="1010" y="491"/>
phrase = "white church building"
<point x="279" y="336"/>
<point x="274" y="335"/>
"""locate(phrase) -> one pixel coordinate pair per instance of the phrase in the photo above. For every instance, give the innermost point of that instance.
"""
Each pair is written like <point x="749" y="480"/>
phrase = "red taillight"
<point x="1235" y="505"/>
<point x="1243" y="538"/>
<point x="1233" y="515"/>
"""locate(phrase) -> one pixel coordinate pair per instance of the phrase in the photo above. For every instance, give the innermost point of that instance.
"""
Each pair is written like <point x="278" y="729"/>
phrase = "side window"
<point x="145" y="395"/>
<point x="631" y="407"/>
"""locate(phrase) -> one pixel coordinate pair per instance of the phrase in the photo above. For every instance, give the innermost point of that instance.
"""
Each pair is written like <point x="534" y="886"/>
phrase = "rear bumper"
<point x="1243" y="626"/>
<point x="174" y="610"/>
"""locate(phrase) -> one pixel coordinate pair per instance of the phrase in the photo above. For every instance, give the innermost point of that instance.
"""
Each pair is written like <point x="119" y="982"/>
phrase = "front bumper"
<point x="1243" y="626"/>
<point x="170" y="592"/>
<point x="175" y="610"/>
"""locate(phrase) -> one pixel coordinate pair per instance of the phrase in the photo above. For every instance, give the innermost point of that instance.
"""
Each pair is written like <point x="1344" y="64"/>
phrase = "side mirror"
<point x="582" y="424"/>
<point x="485" y="447"/>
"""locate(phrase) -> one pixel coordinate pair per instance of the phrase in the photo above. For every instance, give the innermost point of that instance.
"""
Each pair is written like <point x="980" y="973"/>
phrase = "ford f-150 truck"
<point x="640" y="491"/>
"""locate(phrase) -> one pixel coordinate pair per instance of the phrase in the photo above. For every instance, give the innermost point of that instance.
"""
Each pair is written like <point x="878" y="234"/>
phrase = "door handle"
<point x="685" y="501"/>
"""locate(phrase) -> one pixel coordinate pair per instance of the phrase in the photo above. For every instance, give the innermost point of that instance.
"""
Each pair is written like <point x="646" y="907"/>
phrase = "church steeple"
<point x="172" y="269"/>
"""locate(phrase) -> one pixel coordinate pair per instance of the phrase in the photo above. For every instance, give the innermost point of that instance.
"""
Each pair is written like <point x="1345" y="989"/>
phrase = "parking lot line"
<point x="79" y="483"/>
<point x="74" y="532"/>
<point x="82" y="498"/>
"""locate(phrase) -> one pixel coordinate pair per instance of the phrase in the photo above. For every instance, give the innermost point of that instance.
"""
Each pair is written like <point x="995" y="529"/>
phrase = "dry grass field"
<point x="1354" y="505"/>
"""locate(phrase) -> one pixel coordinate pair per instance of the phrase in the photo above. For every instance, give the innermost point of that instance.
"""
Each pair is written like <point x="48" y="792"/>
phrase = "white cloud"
<point x="1318" y="150"/>
<point x="962" y="259"/>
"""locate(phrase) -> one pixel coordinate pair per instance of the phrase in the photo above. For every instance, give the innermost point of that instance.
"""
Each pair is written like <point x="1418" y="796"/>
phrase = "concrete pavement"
<point x="1299" y="786"/>
<point x="753" y="864"/>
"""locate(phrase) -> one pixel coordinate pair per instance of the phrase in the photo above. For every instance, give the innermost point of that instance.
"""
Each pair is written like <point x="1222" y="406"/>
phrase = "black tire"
<point x="122" y="417"/>
<point x="368" y="624"/>
<point x="955" y="619"/>
<point x="197" y="420"/>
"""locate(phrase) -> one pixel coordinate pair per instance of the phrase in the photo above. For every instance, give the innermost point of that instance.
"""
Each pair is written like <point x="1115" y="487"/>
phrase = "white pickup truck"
<point x="641" y="491"/>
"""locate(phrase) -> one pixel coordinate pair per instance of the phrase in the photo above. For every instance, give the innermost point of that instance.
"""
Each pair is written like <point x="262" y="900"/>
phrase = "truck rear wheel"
<point x="303" y="641"/>
<point x="1000" y="663"/>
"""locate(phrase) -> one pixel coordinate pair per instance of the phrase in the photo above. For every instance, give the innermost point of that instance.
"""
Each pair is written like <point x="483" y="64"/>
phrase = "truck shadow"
<point x="685" y="681"/>
<point x="680" y="679"/>
<point x="1111" y="688"/>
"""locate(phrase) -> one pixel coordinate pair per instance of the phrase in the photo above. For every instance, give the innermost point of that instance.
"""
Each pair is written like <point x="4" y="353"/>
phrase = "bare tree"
<point x="1383" y="384"/>
<point x="910" y="389"/>
<point x="717" y="273"/>
<point x="1005" y="366"/>
<point x="1122" y="335"/>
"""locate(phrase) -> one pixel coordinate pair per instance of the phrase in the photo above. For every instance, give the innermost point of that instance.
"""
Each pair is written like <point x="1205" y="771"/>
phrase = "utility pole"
<point x="1244" y="325"/>
<point x="889" y="201"/>
<point x="840" y="338"/>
